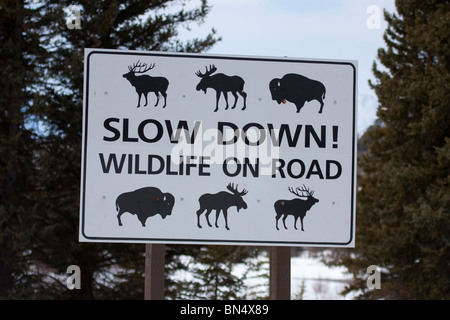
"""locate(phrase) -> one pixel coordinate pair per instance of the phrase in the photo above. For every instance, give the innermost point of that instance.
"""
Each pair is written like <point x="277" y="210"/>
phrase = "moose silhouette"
<point x="297" y="89"/>
<point x="145" y="83"/>
<point x="295" y="207"/>
<point x="221" y="201"/>
<point x="222" y="84"/>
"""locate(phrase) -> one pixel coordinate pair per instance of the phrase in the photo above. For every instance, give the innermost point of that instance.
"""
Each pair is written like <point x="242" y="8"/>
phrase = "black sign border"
<point x="212" y="241"/>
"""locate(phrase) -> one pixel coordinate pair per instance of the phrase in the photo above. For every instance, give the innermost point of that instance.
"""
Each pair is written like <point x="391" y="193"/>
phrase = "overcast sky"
<point x="322" y="29"/>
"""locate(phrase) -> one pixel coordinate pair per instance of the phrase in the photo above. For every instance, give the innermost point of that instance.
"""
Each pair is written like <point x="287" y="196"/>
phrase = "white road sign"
<point x="212" y="149"/>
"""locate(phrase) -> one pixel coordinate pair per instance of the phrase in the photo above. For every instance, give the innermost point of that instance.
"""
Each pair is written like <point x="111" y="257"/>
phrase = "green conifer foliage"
<point x="40" y="138"/>
<point x="20" y="50"/>
<point x="403" y="202"/>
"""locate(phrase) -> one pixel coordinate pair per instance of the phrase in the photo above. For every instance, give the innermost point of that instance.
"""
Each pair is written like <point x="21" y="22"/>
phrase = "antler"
<point x="234" y="190"/>
<point x="308" y="192"/>
<point x="212" y="69"/>
<point x="303" y="189"/>
<point x="142" y="65"/>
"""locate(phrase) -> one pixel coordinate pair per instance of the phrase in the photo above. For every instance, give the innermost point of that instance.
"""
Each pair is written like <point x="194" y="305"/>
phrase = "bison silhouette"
<point x="297" y="89"/>
<point x="145" y="203"/>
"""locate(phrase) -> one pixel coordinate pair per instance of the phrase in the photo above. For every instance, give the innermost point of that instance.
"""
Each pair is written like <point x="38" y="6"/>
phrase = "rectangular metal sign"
<point x="212" y="149"/>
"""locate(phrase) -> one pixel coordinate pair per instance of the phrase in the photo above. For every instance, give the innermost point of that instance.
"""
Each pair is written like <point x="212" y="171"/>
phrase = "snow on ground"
<point x="313" y="280"/>
<point x="310" y="280"/>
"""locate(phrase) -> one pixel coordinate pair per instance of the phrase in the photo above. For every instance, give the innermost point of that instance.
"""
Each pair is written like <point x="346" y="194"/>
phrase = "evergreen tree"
<point x="403" y="202"/>
<point x="213" y="273"/>
<point x="20" y="52"/>
<point x="42" y="82"/>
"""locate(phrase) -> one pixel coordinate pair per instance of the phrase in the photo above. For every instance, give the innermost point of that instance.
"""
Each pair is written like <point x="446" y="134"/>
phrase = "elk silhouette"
<point x="221" y="201"/>
<point x="222" y="84"/>
<point x="145" y="83"/>
<point x="295" y="207"/>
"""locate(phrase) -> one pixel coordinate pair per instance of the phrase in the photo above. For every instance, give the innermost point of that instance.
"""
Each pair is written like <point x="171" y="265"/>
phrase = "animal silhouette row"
<point x="150" y="201"/>
<point x="292" y="87"/>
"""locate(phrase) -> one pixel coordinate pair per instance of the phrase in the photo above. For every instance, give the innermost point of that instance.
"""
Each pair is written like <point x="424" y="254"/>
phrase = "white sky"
<point x="317" y="29"/>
